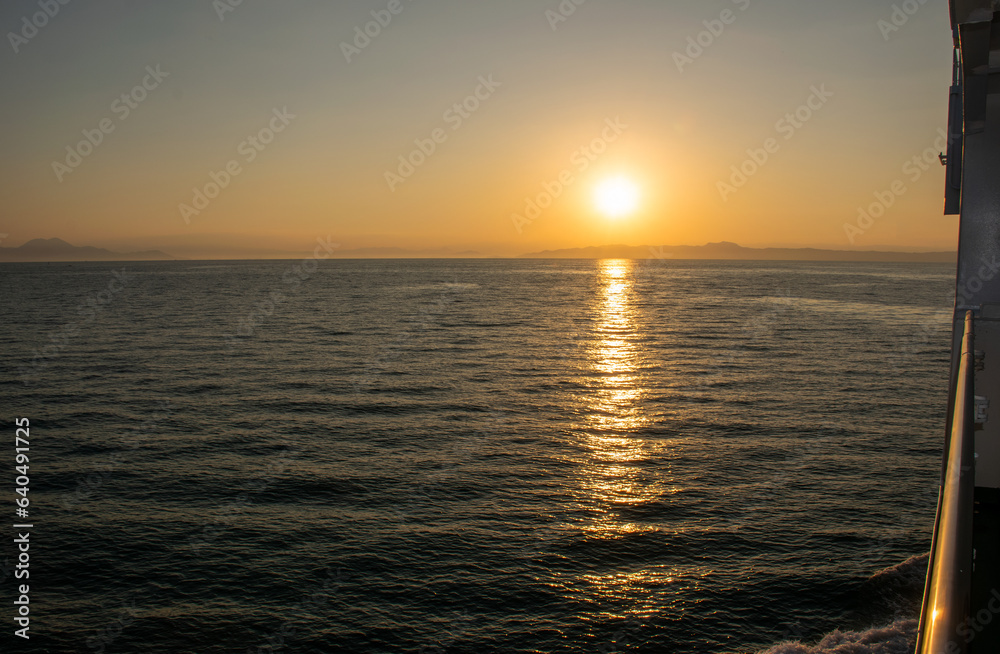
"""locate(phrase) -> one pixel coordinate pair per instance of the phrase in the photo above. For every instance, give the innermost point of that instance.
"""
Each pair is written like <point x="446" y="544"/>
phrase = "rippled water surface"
<point x="473" y="456"/>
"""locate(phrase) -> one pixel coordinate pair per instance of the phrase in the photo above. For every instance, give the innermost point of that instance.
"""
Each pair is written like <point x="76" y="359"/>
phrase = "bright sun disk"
<point x="617" y="197"/>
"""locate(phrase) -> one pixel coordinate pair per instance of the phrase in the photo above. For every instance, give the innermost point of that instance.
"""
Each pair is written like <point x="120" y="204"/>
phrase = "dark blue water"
<point x="473" y="456"/>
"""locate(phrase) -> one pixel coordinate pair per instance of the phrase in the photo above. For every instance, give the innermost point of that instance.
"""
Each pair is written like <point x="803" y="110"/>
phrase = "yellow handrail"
<point x="949" y="575"/>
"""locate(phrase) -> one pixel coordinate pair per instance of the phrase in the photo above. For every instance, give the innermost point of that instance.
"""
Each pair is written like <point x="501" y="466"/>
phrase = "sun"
<point x="617" y="197"/>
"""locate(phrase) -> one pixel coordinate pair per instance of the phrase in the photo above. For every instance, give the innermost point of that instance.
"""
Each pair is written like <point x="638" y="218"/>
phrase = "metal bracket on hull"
<point x="982" y="405"/>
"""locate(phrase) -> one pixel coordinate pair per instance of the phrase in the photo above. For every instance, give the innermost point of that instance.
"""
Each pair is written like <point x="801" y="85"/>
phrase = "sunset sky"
<point x="601" y="90"/>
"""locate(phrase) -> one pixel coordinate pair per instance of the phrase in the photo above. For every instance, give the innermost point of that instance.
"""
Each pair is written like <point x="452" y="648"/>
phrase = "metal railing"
<point x="949" y="574"/>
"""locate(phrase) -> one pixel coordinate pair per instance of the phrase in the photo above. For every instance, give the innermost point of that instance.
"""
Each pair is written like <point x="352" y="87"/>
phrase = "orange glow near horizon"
<point x="275" y="142"/>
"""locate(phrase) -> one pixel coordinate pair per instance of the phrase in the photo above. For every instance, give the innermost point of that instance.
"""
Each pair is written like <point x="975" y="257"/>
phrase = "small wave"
<point x="898" y="638"/>
<point x="892" y="595"/>
<point x="898" y="589"/>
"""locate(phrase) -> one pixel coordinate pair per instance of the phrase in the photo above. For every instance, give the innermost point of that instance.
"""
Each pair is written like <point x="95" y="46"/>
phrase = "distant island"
<point x="732" y="251"/>
<point x="56" y="249"/>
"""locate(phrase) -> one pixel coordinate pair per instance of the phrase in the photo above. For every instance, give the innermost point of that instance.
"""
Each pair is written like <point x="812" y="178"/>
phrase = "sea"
<point x="437" y="456"/>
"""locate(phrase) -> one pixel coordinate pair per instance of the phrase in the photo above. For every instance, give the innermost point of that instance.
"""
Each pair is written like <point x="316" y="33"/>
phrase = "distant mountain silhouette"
<point x="731" y="251"/>
<point x="56" y="249"/>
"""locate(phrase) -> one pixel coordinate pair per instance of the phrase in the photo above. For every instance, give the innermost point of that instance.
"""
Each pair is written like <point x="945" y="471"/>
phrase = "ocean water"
<point x="475" y="456"/>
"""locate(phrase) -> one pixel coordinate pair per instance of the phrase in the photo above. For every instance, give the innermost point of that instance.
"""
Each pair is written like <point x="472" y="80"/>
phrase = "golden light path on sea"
<point x="614" y="475"/>
<point x="614" y="411"/>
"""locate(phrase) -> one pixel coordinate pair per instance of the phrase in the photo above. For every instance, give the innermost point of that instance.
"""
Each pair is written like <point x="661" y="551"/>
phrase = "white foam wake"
<point x="890" y="597"/>
<point x="898" y="638"/>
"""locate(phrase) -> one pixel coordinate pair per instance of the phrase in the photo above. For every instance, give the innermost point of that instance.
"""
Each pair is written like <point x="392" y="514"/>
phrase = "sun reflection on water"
<point x="624" y="472"/>
<point x="613" y="475"/>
